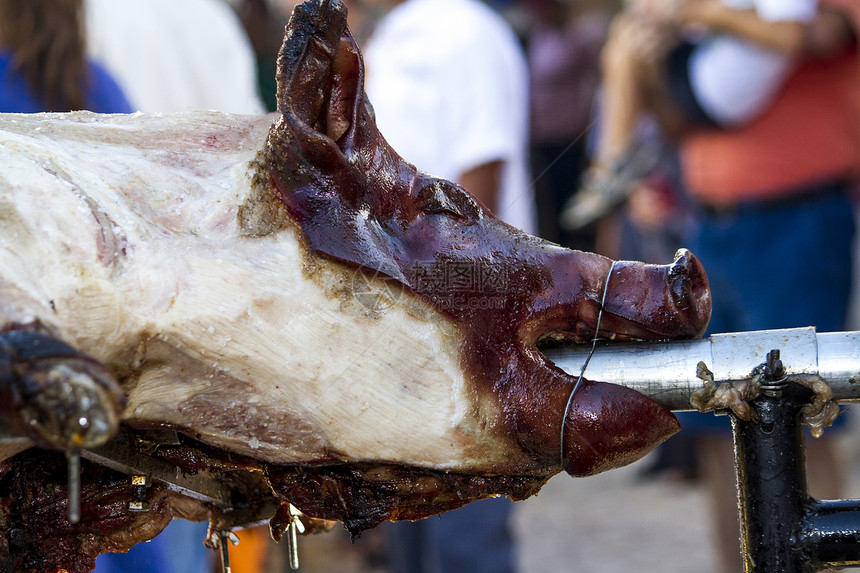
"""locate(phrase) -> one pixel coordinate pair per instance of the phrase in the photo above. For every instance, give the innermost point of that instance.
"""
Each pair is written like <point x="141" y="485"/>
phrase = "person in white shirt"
<point x="449" y="84"/>
<point x="689" y="64"/>
<point x="175" y="55"/>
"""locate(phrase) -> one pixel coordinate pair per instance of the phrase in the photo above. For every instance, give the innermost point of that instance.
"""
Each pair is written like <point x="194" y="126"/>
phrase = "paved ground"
<point x="611" y="523"/>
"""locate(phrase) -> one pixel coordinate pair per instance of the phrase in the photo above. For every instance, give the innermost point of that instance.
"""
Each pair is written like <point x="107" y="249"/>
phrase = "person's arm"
<point x="830" y="33"/>
<point x="788" y="37"/>
<point x="484" y="182"/>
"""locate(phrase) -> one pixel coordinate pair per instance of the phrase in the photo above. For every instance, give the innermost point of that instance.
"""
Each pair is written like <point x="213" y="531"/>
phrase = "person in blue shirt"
<point x="43" y="63"/>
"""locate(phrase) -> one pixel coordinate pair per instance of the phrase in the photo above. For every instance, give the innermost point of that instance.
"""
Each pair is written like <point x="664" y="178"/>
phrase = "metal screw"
<point x="773" y="381"/>
<point x="219" y="541"/>
<point x="296" y="526"/>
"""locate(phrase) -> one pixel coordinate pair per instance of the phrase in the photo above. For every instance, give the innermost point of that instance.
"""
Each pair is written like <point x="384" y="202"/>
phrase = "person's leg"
<point x="404" y="546"/>
<point x="633" y="82"/>
<point x="634" y="68"/>
<point x="626" y="73"/>
<point x="476" y="538"/>
<point x="717" y="465"/>
<point x="794" y="269"/>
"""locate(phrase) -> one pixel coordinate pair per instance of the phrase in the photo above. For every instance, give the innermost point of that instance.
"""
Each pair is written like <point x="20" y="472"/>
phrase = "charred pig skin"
<point x="203" y="272"/>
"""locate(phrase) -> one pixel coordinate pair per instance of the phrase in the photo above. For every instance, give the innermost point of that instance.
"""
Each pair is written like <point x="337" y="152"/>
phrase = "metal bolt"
<point x="218" y="540"/>
<point x="773" y="381"/>
<point x="773" y="369"/>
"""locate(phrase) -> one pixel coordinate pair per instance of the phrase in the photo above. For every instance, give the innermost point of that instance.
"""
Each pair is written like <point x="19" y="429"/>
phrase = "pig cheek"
<point x="435" y="237"/>
<point x="611" y="426"/>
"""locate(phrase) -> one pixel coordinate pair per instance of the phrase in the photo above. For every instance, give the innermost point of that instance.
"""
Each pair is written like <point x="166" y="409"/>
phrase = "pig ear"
<point x="320" y="75"/>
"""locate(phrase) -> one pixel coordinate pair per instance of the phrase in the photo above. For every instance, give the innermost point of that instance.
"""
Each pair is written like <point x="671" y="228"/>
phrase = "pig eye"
<point x="439" y="198"/>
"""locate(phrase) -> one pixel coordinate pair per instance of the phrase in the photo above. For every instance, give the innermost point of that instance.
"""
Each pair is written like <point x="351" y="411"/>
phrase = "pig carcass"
<point x="320" y="322"/>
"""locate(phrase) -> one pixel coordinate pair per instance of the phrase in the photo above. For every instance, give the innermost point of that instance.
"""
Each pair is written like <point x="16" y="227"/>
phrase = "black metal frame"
<point x="783" y="529"/>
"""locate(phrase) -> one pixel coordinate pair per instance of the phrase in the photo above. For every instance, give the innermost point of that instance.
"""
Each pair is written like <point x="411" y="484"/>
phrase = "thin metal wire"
<point x="587" y="359"/>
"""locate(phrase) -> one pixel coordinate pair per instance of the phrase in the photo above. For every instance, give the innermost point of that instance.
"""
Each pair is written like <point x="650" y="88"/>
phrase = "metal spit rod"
<point x="666" y="371"/>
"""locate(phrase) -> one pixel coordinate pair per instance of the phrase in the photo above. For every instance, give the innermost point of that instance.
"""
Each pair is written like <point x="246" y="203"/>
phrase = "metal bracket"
<point x="118" y="455"/>
<point x="784" y="530"/>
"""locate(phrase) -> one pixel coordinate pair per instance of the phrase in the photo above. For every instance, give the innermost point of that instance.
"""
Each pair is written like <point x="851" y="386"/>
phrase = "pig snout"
<point x="689" y="289"/>
<point x="663" y="301"/>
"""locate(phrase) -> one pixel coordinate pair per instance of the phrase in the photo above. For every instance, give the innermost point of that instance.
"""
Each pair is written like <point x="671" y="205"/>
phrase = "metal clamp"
<point x="139" y="485"/>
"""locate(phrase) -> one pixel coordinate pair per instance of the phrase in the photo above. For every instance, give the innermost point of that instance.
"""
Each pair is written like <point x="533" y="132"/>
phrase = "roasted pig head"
<point x="314" y="320"/>
<point x="502" y="291"/>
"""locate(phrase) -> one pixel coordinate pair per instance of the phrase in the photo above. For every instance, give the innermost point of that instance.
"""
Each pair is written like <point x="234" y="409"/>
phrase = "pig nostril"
<point x="681" y="290"/>
<point x="681" y="264"/>
<point x="681" y="283"/>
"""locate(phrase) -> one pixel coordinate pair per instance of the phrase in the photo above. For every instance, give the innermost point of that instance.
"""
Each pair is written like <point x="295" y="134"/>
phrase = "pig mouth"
<point x="602" y="425"/>
<point x="612" y="328"/>
<point x="582" y="335"/>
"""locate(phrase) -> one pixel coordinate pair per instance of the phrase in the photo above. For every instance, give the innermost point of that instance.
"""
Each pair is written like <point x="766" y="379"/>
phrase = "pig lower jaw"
<point x="360" y="494"/>
<point x="363" y="495"/>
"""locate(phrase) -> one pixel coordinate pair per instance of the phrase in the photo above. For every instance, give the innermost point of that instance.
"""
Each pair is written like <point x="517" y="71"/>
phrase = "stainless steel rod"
<point x="666" y="371"/>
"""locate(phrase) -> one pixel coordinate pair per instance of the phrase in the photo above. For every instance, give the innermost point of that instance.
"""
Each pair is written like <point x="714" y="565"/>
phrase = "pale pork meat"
<point x="312" y="314"/>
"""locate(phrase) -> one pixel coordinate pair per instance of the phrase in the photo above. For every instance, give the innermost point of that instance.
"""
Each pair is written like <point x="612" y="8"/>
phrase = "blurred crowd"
<point x="731" y="127"/>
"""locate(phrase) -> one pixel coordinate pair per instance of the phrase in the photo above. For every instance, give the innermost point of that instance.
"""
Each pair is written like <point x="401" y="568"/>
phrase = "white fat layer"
<point x="120" y="233"/>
